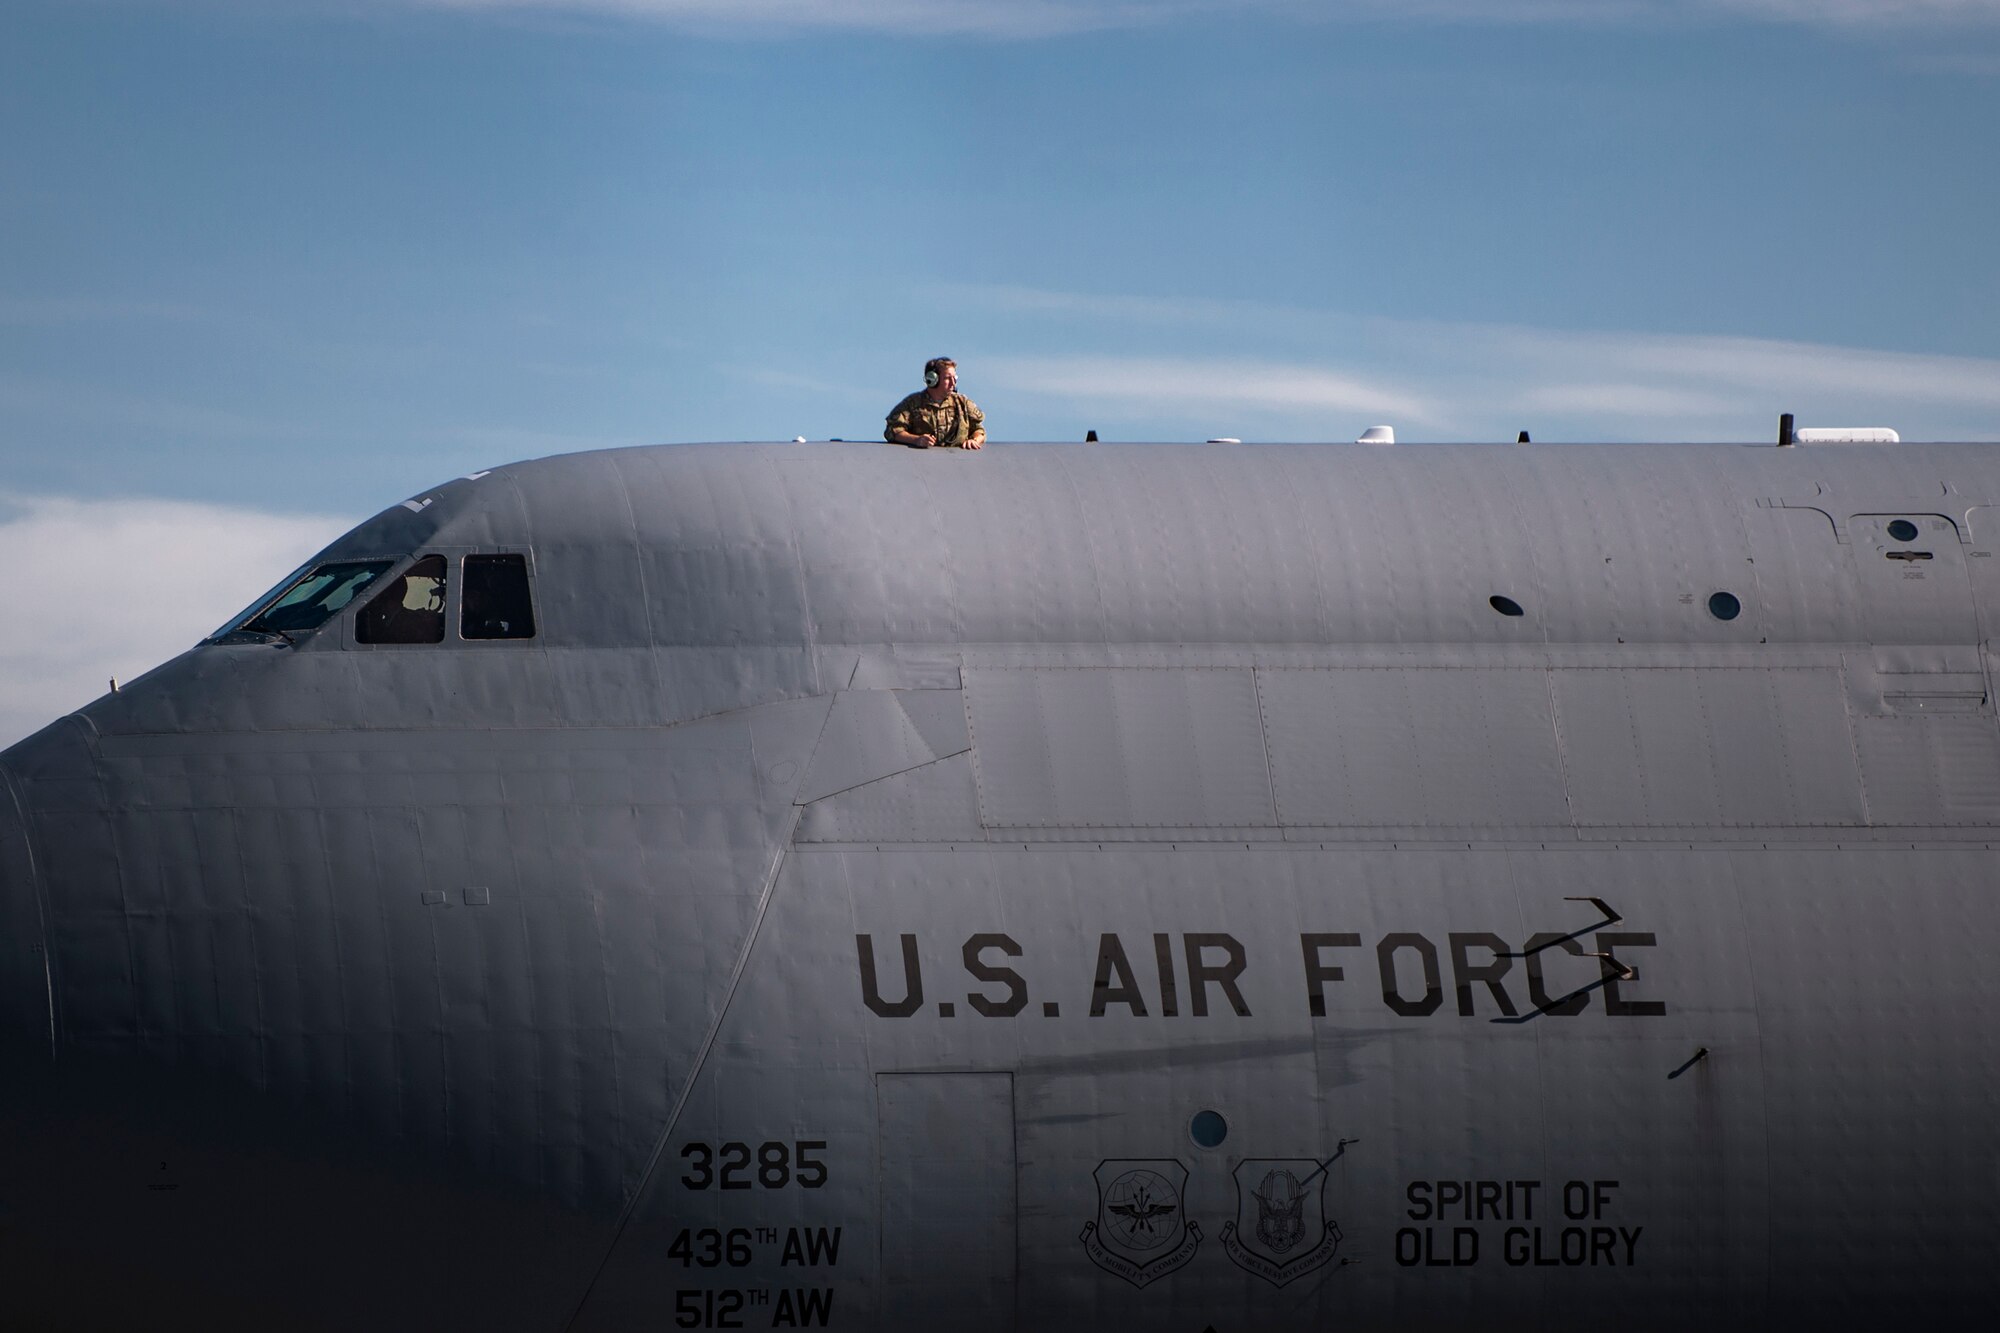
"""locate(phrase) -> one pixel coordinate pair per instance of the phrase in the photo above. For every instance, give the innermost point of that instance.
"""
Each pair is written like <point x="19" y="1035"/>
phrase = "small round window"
<point x="1506" y="606"/>
<point x="1903" y="530"/>
<point x="1724" y="606"/>
<point x="1208" y="1129"/>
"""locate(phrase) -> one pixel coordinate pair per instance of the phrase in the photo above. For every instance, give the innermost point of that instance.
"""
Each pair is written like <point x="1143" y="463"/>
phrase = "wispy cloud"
<point x="1866" y="12"/>
<point x="1622" y="401"/>
<point x="1461" y="380"/>
<point x="1240" y="389"/>
<point x="1014" y="18"/>
<point x="104" y="588"/>
<point x="1037" y="18"/>
<point x="1722" y="363"/>
<point x="1824" y="13"/>
<point x="821" y="387"/>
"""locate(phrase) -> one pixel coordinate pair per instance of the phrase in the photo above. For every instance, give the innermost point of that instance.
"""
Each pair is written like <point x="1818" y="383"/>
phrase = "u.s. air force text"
<point x="1205" y="974"/>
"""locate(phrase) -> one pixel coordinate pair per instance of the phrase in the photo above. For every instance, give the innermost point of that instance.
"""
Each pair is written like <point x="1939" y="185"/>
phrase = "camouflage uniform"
<point x="952" y="421"/>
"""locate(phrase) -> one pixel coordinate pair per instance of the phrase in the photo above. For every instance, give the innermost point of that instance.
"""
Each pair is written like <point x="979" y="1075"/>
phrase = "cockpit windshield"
<point x="308" y="603"/>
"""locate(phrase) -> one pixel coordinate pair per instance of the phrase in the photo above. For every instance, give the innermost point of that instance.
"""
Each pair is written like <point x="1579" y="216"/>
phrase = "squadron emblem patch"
<point x="1281" y="1231"/>
<point x="1142" y="1231"/>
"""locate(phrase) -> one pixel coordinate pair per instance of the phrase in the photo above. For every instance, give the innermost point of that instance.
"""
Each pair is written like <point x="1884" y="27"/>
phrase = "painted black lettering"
<point x="1111" y="960"/>
<point x="1319" y="972"/>
<point x="812" y="1170"/>
<point x="703" y="1173"/>
<point x="811" y="1247"/>
<point x="1464" y="974"/>
<point x="1419" y="1195"/>
<point x="1409" y="1247"/>
<point x="1163" y="963"/>
<point x="1427" y="954"/>
<point x="1616" y="1004"/>
<point x="735" y="1173"/>
<point x="1538" y="991"/>
<point x="708" y="1309"/>
<point x="803" y="1307"/>
<point x="1543" y="1260"/>
<point x="1427" y="1247"/>
<point x="1017" y="989"/>
<point x="1200" y="974"/>
<point x="913" y="979"/>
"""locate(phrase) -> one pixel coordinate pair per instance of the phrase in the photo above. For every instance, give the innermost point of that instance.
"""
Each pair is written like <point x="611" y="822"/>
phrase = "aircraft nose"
<point x="25" y="1015"/>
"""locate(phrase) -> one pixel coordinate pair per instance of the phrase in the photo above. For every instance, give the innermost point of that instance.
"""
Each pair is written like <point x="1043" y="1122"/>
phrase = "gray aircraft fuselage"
<point x="1061" y="887"/>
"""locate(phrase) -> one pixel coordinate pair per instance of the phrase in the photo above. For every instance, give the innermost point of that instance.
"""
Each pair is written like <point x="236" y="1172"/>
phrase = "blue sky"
<point x="279" y="265"/>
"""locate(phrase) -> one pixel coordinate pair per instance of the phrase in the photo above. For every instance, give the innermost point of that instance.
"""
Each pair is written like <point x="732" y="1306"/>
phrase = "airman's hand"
<point x="976" y="442"/>
<point x="924" y="441"/>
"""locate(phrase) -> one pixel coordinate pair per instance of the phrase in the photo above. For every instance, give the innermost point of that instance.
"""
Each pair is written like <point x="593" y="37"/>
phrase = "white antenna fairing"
<point x="1846" y="435"/>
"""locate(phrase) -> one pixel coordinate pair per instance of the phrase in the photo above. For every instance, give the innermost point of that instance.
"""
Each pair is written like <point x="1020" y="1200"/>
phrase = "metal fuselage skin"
<point x="1043" y="889"/>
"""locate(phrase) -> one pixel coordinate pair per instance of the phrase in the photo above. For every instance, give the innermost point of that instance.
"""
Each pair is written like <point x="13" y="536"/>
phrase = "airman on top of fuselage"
<point x="937" y="416"/>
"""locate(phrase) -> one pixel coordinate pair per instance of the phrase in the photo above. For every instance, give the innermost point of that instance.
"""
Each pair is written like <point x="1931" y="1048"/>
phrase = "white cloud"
<point x="1622" y="401"/>
<point x="1031" y="301"/>
<point x="1461" y="380"/>
<point x="1227" y="389"/>
<point x="102" y="588"/>
<point x="1034" y="18"/>
<point x="1760" y="363"/>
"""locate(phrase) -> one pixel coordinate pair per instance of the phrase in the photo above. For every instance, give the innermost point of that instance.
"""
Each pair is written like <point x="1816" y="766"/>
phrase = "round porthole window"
<point x="1724" y="606"/>
<point x="1208" y="1129"/>
<point x="1506" y="606"/>
<point x="1903" y="530"/>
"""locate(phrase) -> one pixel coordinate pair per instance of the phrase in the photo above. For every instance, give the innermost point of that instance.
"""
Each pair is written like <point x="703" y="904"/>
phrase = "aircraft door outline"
<point x="1914" y="588"/>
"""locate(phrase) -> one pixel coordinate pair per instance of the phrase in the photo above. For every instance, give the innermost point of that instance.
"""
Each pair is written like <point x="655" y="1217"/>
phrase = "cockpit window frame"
<point x="340" y="629"/>
<point x="446" y="602"/>
<point x="454" y="603"/>
<point x="527" y="558"/>
<point x="244" y="627"/>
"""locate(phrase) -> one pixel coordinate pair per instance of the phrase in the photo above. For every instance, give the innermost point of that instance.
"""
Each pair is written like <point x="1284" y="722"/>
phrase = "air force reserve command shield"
<point x="1142" y="1231"/>
<point x="1281" y="1231"/>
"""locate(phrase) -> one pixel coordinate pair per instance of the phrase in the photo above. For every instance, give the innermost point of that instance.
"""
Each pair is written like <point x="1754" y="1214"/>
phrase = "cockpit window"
<point x="496" y="604"/>
<point x="308" y="603"/>
<point x="409" y="610"/>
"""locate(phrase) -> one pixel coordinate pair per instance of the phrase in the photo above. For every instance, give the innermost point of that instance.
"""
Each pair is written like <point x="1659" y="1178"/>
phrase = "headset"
<point x="932" y="373"/>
